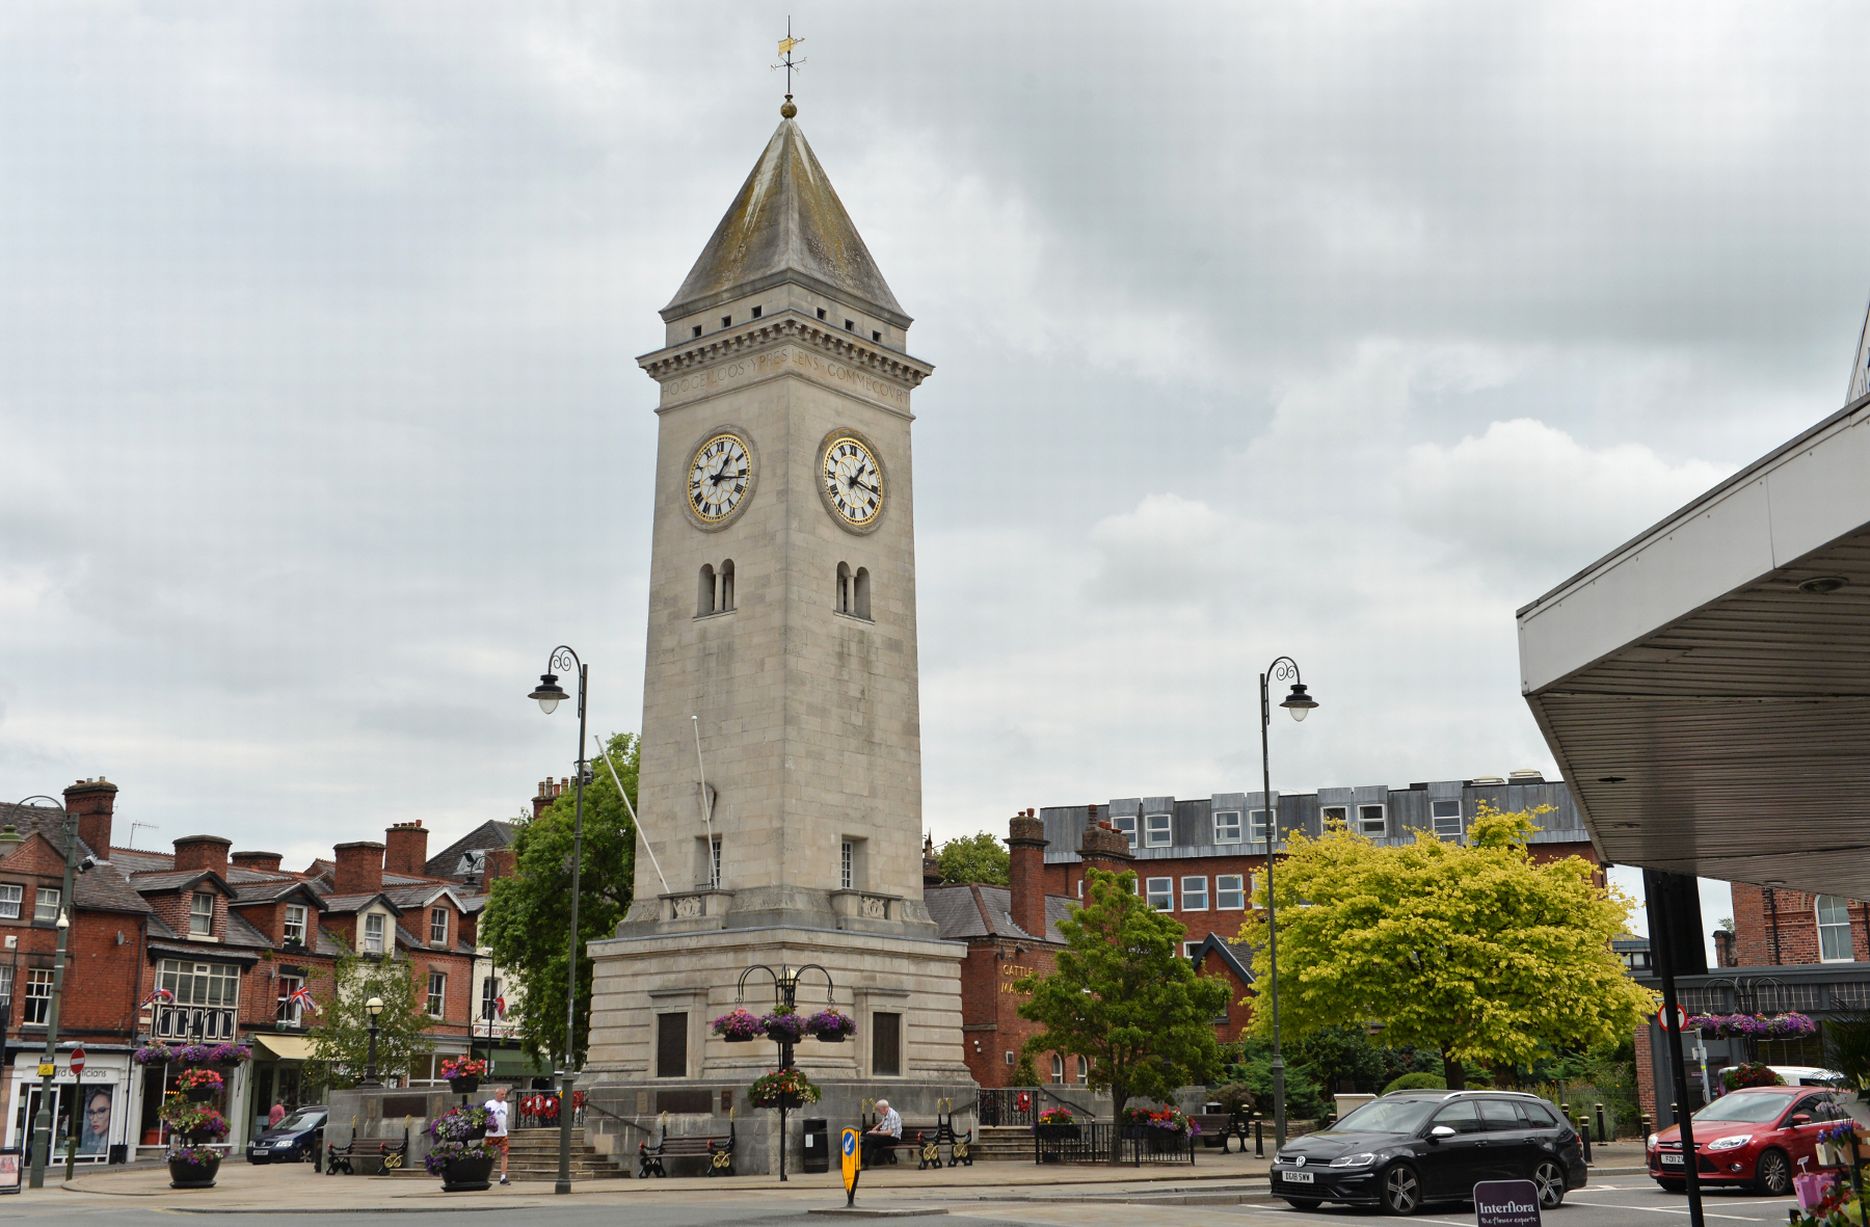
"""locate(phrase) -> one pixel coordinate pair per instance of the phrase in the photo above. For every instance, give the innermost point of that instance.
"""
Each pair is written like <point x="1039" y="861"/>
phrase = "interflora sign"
<point x="1506" y="1203"/>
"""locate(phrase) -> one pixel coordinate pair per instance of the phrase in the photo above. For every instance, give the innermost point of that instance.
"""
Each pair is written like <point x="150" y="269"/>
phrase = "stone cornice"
<point x="704" y="352"/>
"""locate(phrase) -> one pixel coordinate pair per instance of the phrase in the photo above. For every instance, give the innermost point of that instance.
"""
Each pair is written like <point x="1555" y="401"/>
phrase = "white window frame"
<point x="1832" y="930"/>
<point x="1125" y="824"/>
<point x="1227" y="826"/>
<point x="1080" y="888"/>
<point x="438" y="914"/>
<point x="1158" y="830"/>
<point x="1197" y="899"/>
<point x="1161" y="894"/>
<point x="1341" y="813"/>
<point x="489" y="989"/>
<point x="847" y="865"/>
<point x="1238" y="890"/>
<point x="36" y="978"/>
<point x="1189" y="949"/>
<point x="714" y="863"/>
<point x="214" y="985"/>
<point x="438" y="994"/>
<point x="200" y="919"/>
<point x="40" y="897"/>
<point x="1437" y="819"/>
<point x="1364" y="826"/>
<point x="1258" y="828"/>
<point x="369" y="942"/>
<point x="287" y="1012"/>
<point x="12" y="899"/>
<point x="1058" y="1070"/>
<point x="1084" y="1070"/>
<point x="298" y="917"/>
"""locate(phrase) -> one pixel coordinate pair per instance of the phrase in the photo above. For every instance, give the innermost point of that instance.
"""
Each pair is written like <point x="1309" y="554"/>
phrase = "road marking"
<point x="1605" y="1205"/>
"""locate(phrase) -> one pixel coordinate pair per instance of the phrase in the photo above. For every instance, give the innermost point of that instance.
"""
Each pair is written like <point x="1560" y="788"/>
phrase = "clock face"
<point x="720" y="477"/>
<point x="851" y="481"/>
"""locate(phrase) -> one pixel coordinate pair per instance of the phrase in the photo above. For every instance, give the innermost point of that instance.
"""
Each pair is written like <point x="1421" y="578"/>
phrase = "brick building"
<point x="1194" y="859"/>
<point x="229" y="936"/>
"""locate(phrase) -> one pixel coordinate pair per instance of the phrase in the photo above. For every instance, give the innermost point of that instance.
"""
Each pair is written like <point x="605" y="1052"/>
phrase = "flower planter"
<point x="467" y="1174"/>
<point x="738" y="1039"/>
<point x="835" y="1038"/>
<point x="1059" y="1133"/>
<point x="201" y="1094"/>
<point x="464" y="1086"/>
<point x="187" y="1175"/>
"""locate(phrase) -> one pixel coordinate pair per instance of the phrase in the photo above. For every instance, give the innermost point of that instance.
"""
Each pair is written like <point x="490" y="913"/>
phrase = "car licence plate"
<point x="1296" y="1177"/>
<point x="1669" y="1160"/>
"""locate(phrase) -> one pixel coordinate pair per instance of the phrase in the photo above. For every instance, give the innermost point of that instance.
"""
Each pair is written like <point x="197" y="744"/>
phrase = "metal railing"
<point x="1021" y="1105"/>
<point x="1090" y="1142"/>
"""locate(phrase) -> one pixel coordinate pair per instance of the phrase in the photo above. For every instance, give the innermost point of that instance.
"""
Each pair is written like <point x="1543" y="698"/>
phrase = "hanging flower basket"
<point x="463" y="1074"/>
<point x="738" y="1027"/>
<point x="783" y="1088"/>
<point x="200" y="1085"/>
<point x="1754" y="1074"/>
<point x="783" y="1026"/>
<point x="1755" y="1026"/>
<point x="830" y="1026"/>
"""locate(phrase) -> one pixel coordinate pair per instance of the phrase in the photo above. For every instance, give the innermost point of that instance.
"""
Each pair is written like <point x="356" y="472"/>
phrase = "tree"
<point x="1125" y="998"/>
<point x="1473" y="951"/>
<point x="340" y="1033"/>
<point x="527" y="924"/>
<point x="978" y="858"/>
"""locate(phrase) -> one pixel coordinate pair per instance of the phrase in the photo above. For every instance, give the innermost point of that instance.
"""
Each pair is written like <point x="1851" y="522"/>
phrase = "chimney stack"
<point x="264" y="862"/>
<point x="549" y="791"/>
<point x="359" y="868"/>
<point x="91" y="802"/>
<point x="1103" y="846"/>
<point x="406" y="849"/>
<point x="1724" y="955"/>
<point x="202" y="852"/>
<point x="1025" y="843"/>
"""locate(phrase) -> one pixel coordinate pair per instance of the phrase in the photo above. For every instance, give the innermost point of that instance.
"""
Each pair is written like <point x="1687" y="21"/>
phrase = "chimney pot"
<point x="92" y="803"/>
<point x="406" y="849"/>
<point x="202" y="852"/>
<point x="358" y="868"/>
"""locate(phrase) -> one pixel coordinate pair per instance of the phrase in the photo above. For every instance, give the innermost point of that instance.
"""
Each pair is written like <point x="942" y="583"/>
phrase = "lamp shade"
<point x="548" y="692"/>
<point x="1298" y="702"/>
<point x="374" y="1006"/>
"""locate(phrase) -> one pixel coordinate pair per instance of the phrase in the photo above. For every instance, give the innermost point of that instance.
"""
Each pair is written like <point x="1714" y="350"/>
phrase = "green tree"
<point x="978" y="858"/>
<point x="1474" y="951"/>
<point x="340" y="1032"/>
<point x="1125" y="998"/>
<point x="527" y="924"/>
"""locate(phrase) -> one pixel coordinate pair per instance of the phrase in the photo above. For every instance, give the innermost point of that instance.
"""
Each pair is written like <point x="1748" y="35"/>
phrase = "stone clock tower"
<point x="781" y="787"/>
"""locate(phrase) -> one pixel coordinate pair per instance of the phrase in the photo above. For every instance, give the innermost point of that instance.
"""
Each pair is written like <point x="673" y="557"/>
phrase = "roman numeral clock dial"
<point x="851" y="480"/>
<point x="720" y="479"/>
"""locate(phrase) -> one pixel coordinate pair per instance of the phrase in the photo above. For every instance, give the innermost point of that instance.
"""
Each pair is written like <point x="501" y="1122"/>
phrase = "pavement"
<point x="298" y="1188"/>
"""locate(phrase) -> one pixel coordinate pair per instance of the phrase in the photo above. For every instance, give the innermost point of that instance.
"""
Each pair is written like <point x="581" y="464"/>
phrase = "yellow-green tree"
<point x="1472" y="950"/>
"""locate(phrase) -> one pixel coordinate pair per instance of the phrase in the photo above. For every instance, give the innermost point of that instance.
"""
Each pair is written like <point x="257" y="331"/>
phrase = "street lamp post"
<point x="372" y="1007"/>
<point x="549" y="695"/>
<point x="1300" y="705"/>
<point x="785" y="1001"/>
<point x="42" y="1119"/>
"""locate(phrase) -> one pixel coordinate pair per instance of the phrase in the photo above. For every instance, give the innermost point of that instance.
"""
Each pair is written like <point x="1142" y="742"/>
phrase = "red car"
<point x="1754" y="1136"/>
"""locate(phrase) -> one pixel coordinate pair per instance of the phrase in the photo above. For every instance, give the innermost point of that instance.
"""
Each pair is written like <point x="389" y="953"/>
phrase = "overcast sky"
<point x="1332" y="330"/>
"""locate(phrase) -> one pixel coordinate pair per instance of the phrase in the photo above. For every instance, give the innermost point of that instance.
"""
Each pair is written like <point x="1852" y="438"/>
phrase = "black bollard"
<point x="1603" y="1135"/>
<point x="1584" y="1137"/>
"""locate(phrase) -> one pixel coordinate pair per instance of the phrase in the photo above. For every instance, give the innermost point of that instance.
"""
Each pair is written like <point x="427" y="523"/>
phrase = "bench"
<point x="718" y="1151"/>
<point x="1217" y="1127"/>
<point x="356" y="1158"/>
<point x="926" y="1140"/>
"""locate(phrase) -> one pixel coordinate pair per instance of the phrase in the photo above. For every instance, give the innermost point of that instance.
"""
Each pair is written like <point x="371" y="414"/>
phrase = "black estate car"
<point x="1413" y="1147"/>
<point x="295" y="1139"/>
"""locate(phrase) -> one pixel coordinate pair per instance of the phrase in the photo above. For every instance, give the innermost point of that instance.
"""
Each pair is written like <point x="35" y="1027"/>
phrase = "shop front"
<point x="102" y="1101"/>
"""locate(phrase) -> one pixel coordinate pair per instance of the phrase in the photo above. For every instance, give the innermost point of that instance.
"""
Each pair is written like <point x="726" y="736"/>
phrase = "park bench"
<point x="925" y="1141"/>
<point x="359" y="1157"/>
<point x="1217" y="1127"/>
<point x="718" y="1151"/>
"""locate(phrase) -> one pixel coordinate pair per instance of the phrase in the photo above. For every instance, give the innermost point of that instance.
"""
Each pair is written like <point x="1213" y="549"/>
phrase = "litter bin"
<point x="817" y="1144"/>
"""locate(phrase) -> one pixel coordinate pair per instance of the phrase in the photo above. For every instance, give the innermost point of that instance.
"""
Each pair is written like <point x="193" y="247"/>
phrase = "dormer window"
<point x="438" y="926"/>
<point x="373" y="933"/>
<point x="200" y="914"/>
<point x="296" y="917"/>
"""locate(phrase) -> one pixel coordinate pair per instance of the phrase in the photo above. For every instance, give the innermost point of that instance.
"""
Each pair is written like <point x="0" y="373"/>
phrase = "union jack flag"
<point x="160" y="996"/>
<point x="302" y="995"/>
<point x="499" y="1007"/>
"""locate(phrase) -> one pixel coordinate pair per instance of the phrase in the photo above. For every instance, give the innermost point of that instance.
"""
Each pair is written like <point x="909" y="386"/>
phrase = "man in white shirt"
<point x="889" y="1126"/>
<point x="496" y="1127"/>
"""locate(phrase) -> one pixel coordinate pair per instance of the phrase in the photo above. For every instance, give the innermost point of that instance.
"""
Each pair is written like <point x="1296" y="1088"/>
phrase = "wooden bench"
<point x="356" y="1158"/>
<point x="1217" y="1127"/>
<point x="926" y="1141"/>
<point x="718" y="1151"/>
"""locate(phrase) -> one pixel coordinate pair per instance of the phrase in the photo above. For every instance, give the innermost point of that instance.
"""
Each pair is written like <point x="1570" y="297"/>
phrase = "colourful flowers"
<point x="1169" y="1120"/>
<point x="1755" y="1026"/>
<point x="767" y="1089"/>
<point x="784" y="1026"/>
<point x="193" y="1054"/>
<point x="1056" y="1116"/>
<point x="830" y="1024"/>
<point x="458" y="1133"/>
<point x="195" y="1079"/>
<point x="1755" y="1074"/>
<point x="738" y="1025"/>
<point x="462" y="1067"/>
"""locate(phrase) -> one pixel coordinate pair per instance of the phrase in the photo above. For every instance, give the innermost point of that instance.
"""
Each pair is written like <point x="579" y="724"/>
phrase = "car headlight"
<point x="1364" y="1159"/>
<point x="1653" y="1139"/>
<point x="1730" y="1141"/>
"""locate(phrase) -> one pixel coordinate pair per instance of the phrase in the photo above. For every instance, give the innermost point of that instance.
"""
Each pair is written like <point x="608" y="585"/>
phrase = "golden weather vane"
<point x="786" y="61"/>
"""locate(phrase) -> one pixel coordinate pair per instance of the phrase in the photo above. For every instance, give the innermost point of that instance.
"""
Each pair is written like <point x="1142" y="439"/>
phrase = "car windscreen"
<point x="1387" y="1116"/>
<point x="302" y="1120"/>
<point x="1755" y="1109"/>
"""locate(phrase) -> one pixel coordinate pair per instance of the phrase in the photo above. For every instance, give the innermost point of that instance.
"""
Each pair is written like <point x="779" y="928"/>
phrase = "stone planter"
<point x="467" y="1174"/>
<point x="193" y="1175"/>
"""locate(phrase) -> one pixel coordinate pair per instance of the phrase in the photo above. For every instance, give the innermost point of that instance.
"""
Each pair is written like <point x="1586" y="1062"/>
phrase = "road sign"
<point x="77" y="1060"/>
<point x="47" y="1069"/>
<point x="849" y="1144"/>
<point x="1681" y="1019"/>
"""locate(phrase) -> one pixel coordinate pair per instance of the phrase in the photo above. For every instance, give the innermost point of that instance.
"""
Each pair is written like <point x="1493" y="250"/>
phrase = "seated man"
<point x="881" y="1138"/>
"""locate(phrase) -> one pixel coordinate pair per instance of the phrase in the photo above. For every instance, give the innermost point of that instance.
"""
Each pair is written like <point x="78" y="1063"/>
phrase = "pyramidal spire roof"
<point x="786" y="224"/>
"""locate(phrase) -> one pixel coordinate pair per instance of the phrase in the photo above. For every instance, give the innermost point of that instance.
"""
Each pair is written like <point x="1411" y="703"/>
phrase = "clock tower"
<point x="781" y="789"/>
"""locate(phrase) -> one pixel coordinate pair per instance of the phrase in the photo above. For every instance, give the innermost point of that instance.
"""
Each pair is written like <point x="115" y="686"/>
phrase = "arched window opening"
<point x="727" y="585"/>
<point x="1058" y="1068"/>
<point x="860" y="592"/>
<point x="704" y="591"/>
<point x="844" y="588"/>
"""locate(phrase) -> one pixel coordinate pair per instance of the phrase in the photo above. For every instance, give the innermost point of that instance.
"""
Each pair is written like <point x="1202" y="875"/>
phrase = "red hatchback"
<point x="1754" y="1137"/>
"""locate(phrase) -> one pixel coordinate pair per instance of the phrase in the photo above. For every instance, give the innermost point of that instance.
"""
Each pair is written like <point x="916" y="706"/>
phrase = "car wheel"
<point x="1305" y="1203"/>
<point x="1402" y="1189"/>
<point x="1773" y="1173"/>
<point x="1673" y="1186"/>
<point x="1549" y="1179"/>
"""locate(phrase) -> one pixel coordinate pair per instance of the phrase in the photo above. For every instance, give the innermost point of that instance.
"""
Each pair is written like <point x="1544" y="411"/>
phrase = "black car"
<point x="1413" y="1147"/>
<point x="296" y="1138"/>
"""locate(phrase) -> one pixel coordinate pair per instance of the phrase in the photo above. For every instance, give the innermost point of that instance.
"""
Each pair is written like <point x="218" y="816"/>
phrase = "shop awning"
<point x="286" y="1047"/>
